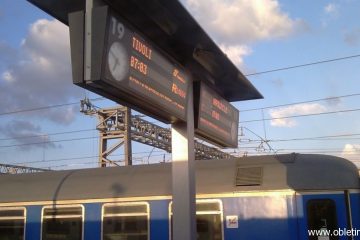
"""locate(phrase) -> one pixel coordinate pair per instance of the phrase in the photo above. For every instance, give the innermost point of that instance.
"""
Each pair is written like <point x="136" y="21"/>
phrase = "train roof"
<point x="300" y="172"/>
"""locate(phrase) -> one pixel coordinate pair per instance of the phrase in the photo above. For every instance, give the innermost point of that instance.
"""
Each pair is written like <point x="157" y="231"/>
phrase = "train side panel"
<point x="260" y="217"/>
<point x="256" y="216"/>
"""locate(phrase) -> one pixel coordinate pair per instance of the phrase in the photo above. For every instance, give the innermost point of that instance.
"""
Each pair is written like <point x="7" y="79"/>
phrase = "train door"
<point x="323" y="216"/>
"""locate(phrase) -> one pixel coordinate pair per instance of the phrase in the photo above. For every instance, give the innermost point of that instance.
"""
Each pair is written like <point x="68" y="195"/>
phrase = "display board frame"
<point x="150" y="81"/>
<point x="216" y="120"/>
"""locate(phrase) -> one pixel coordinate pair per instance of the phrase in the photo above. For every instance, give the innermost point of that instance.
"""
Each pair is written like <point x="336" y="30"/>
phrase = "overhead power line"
<point x="302" y="102"/>
<point x="314" y="139"/>
<point x="45" y="135"/>
<point x="246" y="110"/>
<point x="247" y="75"/>
<point x="255" y="141"/>
<point x="62" y="166"/>
<point x="145" y="153"/>
<point x="48" y="142"/>
<point x="323" y="137"/>
<point x="45" y="107"/>
<point x="294" y="149"/>
<point x="327" y="137"/>
<point x="303" y="65"/>
<point x="302" y="115"/>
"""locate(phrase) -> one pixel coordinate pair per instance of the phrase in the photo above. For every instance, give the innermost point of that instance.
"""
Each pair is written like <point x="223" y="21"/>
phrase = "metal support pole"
<point x="102" y="150"/>
<point x="127" y="137"/>
<point x="90" y="4"/>
<point x="183" y="176"/>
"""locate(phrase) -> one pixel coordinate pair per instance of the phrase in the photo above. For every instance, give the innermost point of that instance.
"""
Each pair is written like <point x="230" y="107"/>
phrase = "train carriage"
<point x="263" y="197"/>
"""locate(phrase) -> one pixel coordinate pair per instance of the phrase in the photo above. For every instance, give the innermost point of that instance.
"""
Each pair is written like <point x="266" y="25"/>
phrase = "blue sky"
<point x="257" y="36"/>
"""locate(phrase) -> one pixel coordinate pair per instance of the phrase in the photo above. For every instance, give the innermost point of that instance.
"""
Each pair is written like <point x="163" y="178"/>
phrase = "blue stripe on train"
<point x="33" y="222"/>
<point x="92" y="226"/>
<point x="259" y="217"/>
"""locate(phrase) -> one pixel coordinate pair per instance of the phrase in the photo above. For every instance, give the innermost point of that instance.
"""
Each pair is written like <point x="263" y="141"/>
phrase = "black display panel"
<point x="136" y="67"/>
<point x="215" y="119"/>
<point x="113" y="59"/>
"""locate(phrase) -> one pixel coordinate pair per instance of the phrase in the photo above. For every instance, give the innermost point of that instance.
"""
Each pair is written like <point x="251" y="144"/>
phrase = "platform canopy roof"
<point x="169" y="25"/>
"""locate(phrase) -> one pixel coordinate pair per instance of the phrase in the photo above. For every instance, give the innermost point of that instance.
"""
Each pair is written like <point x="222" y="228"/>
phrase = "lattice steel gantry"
<point x="117" y="123"/>
<point x="13" y="169"/>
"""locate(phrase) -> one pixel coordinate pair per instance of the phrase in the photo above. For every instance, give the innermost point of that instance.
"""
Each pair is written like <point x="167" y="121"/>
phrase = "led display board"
<point x="132" y="71"/>
<point x="215" y="119"/>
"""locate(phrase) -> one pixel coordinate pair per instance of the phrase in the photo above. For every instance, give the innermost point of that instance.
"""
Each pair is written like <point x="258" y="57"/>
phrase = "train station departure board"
<point x="136" y="66"/>
<point x="126" y="67"/>
<point x="215" y="118"/>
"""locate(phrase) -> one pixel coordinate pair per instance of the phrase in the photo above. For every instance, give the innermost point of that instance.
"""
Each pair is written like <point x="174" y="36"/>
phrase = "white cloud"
<point x="236" y="53"/>
<point x="299" y="109"/>
<point x="351" y="151"/>
<point x="331" y="9"/>
<point x="40" y="75"/>
<point x="242" y="21"/>
<point x="7" y="76"/>
<point x="236" y="24"/>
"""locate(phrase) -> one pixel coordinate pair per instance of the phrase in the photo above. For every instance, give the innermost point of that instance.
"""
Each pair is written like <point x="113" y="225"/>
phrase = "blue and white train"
<point x="265" y="197"/>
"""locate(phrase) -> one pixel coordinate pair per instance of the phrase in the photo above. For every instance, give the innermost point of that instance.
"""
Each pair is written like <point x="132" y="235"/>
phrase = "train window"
<point x="12" y="223"/>
<point x="62" y="222"/>
<point x="126" y="221"/>
<point x="208" y="220"/>
<point x="321" y="214"/>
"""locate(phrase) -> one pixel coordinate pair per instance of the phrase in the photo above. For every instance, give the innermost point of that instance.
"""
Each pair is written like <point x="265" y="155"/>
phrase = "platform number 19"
<point x="118" y="28"/>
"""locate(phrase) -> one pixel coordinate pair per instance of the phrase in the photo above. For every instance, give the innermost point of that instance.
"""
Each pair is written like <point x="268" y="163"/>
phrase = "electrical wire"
<point x="48" y="142"/>
<point x="247" y="75"/>
<point x="241" y="140"/>
<point x="251" y="74"/>
<point x="87" y="157"/>
<point x="45" y="135"/>
<point x="326" y="137"/>
<point x="302" y="115"/>
<point x="241" y="122"/>
<point x="302" y="65"/>
<point x="46" y="107"/>
<point x="302" y="102"/>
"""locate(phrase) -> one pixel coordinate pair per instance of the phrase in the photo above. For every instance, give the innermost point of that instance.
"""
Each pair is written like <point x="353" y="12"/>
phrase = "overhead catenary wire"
<point x="302" y="115"/>
<point x="142" y="158"/>
<point x="302" y="102"/>
<point x="302" y="65"/>
<point x="295" y="149"/>
<point x="324" y="138"/>
<point x="85" y="130"/>
<point x="248" y="154"/>
<point x="48" y="142"/>
<point x="95" y="163"/>
<point x="247" y="121"/>
<point x="249" y="141"/>
<point x="247" y="75"/>
<point x="46" y="134"/>
<point x="268" y="71"/>
<point x="329" y="137"/>
<point x="145" y="155"/>
<point x="45" y="107"/>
